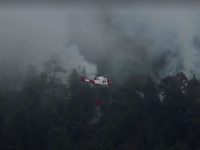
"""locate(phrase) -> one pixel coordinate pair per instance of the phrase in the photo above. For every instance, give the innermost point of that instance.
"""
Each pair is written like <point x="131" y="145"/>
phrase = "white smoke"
<point x="152" y="41"/>
<point x="172" y="32"/>
<point x="73" y="60"/>
<point x="31" y="36"/>
<point x="148" y="40"/>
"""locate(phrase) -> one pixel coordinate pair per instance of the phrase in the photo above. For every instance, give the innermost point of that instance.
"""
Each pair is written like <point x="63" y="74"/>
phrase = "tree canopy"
<point x="49" y="114"/>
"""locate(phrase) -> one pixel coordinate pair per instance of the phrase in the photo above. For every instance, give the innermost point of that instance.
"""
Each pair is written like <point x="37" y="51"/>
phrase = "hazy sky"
<point x="149" y="39"/>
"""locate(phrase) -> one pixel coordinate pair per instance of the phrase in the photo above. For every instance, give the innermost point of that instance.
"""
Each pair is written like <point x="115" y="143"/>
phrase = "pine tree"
<point x="79" y="109"/>
<point x="53" y="66"/>
<point x="192" y="113"/>
<point x="173" y="108"/>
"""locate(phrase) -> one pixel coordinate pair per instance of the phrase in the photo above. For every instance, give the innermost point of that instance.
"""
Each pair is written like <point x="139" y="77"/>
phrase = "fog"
<point x="154" y="41"/>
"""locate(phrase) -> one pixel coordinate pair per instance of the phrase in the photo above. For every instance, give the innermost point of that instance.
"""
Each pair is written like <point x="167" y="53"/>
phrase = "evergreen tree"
<point x="173" y="109"/>
<point x="32" y="72"/>
<point x="192" y="113"/>
<point x="53" y="66"/>
<point x="80" y="107"/>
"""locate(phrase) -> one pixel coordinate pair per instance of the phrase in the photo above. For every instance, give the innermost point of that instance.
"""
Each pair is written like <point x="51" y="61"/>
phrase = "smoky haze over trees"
<point x="118" y="41"/>
<point x="48" y="114"/>
<point x="151" y="53"/>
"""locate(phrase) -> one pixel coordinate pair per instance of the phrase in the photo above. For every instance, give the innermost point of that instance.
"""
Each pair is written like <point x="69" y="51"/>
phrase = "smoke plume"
<point x="152" y="41"/>
<point x="145" y="41"/>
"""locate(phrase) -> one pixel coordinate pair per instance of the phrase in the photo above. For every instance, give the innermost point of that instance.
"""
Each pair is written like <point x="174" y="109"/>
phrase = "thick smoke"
<point x="116" y="41"/>
<point x="74" y="60"/>
<point x="32" y="36"/>
<point x="155" y="42"/>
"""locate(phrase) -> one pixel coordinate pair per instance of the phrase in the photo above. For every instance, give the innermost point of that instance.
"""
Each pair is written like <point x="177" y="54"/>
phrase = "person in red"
<point x="98" y="102"/>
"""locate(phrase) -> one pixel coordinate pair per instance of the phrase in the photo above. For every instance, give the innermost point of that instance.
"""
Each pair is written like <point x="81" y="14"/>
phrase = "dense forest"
<point x="43" y="113"/>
